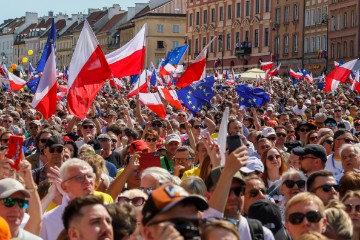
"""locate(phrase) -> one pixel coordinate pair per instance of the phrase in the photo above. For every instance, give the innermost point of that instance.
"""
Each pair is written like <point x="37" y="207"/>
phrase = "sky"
<point x="42" y="7"/>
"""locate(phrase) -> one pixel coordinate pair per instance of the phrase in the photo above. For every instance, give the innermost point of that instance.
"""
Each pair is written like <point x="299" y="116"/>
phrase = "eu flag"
<point x="175" y="55"/>
<point x="252" y="97"/>
<point x="134" y="78"/>
<point x="47" y="49"/>
<point x="32" y="85"/>
<point x="197" y="95"/>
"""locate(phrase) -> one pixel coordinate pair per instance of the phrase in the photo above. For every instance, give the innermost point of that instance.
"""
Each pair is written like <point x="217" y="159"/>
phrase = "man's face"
<point x="13" y="215"/>
<point x="262" y="146"/>
<point x="235" y="128"/>
<point x="296" y="230"/>
<point x="181" y="117"/>
<point x="111" y="119"/>
<point x="350" y="159"/>
<point x="43" y="138"/>
<point x="5" y="139"/>
<point x="7" y="122"/>
<point x="342" y="139"/>
<point x="54" y="155"/>
<point x="337" y="112"/>
<point x="284" y="119"/>
<point x="94" y="223"/>
<point x="280" y="136"/>
<point x="300" y="103"/>
<point x="105" y="144"/>
<point x="254" y="190"/>
<point x="172" y="146"/>
<point x="88" y="129"/>
<point x="234" y="204"/>
<point x="184" y="159"/>
<point x="307" y="163"/>
<point x="78" y="181"/>
<point x="34" y="129"/>
<point x="323" y="191"/>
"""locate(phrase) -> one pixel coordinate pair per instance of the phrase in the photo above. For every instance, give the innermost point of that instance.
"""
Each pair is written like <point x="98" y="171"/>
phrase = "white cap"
<point x="253" y="164"/>
<point x="269" y="108"/>
<point x="307" y="101"/>
<point x="266" y="132"/>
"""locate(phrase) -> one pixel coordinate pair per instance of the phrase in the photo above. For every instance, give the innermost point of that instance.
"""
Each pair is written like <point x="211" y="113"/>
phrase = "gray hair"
<point x="320" y="115"/>
<point x="194" y="185"/>
<point x="186" y="148"/>
<point x="73" y="162"/>
<point x="161" y="175"/>
<point x="291" y="173"/>
<point x="346" y="146"/>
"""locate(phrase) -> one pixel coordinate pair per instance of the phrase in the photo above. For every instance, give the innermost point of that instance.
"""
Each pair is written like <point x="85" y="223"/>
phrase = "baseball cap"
<point x="303" y="123"/>
<point x="357" y="98"/>
<point x="330" y="120"/>
<point x="87" y="121"/>
<point x="95" y="145"/>
<point x="269" y="109"/>
<point x="166" y="197"/>
<point x="314" y="149"/>
<point x="138" y="146"/>
<point x="54" y="141"/>
<point x="266" y="132"/>
<point x="173" y="138"/>
<point x="9" y="186"/>
<point x="307" y="102"/>
<point x="340" y="132"/>
<point x="104" y="136"/>
<point x="36" y="122"/>
<point x="214" y="177"/>
<point x="253" y="164"/>
<point x="268" y="213"/>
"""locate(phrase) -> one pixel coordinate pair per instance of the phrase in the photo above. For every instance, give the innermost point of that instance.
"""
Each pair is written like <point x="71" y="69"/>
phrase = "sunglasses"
<point x="331" y="124"/>
<point x="10" y="202"/>
<point x="337" y="110"/>
<point x="305" y="130"/>
<point x="238" y="191"/>
<point x="327" y="187"/>
<point x="43" y="140"/>
<point x="136" y="201"/>
<point x="16" y="119"/>
<point x="159" y="124"/>
<point x="254" y="192"/>
<point x="33" y="127"/>
<point x="197" y="126"/>
<point x="329" y="142"/>
<point x="114" y="140"/>
<point x="346" y="140"/>
<point x="88" y="126"/>
<point x="81" y="177"/>
<point x="151" y="139"/>
<point x="313" y="138"/>
<point x="7" y="121"/>
<point x="291" y="183"/>
<point x="58" y="149"/>
<point x="297" y="217"/>
<point x="281" y="134"/>
<point x="272" y="157"/>
<point x="5" y="140"/>
<point x="350" y="207"/>
<point x="148" y="191"/>
<point x="272" y="138"/>
<point x="181" y="115"/>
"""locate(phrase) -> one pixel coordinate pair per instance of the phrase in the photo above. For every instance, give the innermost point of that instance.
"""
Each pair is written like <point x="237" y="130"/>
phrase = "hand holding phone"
<point x="233" y="142"/>
<point x="15" y="151"/>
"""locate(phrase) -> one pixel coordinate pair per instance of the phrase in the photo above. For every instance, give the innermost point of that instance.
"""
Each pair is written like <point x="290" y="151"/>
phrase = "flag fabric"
<point x="341" y="73"/>
<point x="129" y="59"/>
<point x="33" y="84"/>
<point x="295" y="75"/>
<point x="171" y="97"/>
<point x="140" y="86"/>
<point x="134" y="79"/>
<point x="153" y="78"/>
<point x="88" y="72"/>
<point x="172" y="60"/>
<point x="197" y="95"/>
<point x="274" y="72"/>
<point x="356" y="83"/>
<point x="51" y="40"/>
<point x="31" y="70"/>
<point x="266" y="65"/>
<point x="307" y="75"/>
<point x="46" y="93"/>
<point x="16" y="83"/>
<point x="3" y="70"/>
<point x="66" y="73"/>
<point x="153" y="102"/>
<point x="252" y="97"/>
<point x="195" y="71"/>
<point x="223" y="131"/>
<point x="331" y="84"/>
<point x="5" y="88"/>
<point x="115" y="82"/>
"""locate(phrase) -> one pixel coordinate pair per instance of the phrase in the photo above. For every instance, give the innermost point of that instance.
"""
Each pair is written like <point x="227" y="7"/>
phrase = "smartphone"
<point x="233" y="142"/>
<point x="147" y="160"/>
<point x="15" y="150"/>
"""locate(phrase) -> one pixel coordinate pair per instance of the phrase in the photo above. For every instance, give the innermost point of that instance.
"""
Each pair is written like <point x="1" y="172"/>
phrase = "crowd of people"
<point x="124" y="173"/>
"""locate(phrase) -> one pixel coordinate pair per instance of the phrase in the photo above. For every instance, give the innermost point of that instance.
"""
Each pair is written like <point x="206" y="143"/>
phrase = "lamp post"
<point x="221" y="39"/>
<point x="277" y="42"/>
<point x="325" y="20"/>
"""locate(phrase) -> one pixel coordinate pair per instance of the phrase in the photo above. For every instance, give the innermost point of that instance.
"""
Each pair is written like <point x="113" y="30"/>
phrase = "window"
<point x="266" y="37"/>
<point x="277" y="46"/>
<point x="345" y="20"/>
<point x="196" y="46"/>
<point x="318" y="43"/>
<point x="213" y="15"/>
<point x="237" y="37"/>
<point x="229" y="9"/>
<point x="175" y="44"/>
<point x="257" y="6"/>
<point x="325" y="11"/>
<point x="332" y="51"/>
<point x="221" y="13"/>
<point x="247" y="8"/>
<point x="197" y="18"/>
<point x="338" y="52"/>
<point x="295" y="43"/>
<point x="190" y="19"/>
<point x="205" y="16"/>
<point x="312" y="44"/>
<point x="319" y="16"/>
<point x="160" y="28"/>
<point x="246" y="35"/>
<point x="333" y="23"/>
<point x="189" y="48"/>
<point x="287" y="14"/>
<point x="352" y="51"/>
<point x="267" y="5"/>
<point x="277" y="16"/>
<point x="296" y="12"/>
<point x="212" y="45"/>
<point x="256" y="38"/>
<point x="307" y="17"/>
<point x="238" y="10"/>
<point x="286" y="44"/>
<point x="324" y="42"/>
<point x="313" y="16"/>
<point x="160" y="44"/>
<point x="204" y="42"/>
<point x="340" y="22"/>
<point x="228" y="41"/>
<point x="220" y="42"/>
<point x="176" y="28"/>
<point x="306" y="45"/>
<point x="345" y="49"/>
<point x="352" y="18"/>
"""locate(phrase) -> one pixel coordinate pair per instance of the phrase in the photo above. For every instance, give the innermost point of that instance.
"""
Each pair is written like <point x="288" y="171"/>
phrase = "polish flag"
<point x="45" y="97"/>
<point x="129" y="59"/>
<point x="115" y="82"/>
<point x="170" y="96"/>
<point x="88" y="72"/>
<point x="3" y="71"/>
<point x="309" y="78"/>
<point x="275" y="71"/>
<point x="140" y="86"/>
<point x="153" y="102"/>
<point x="341" y="72"/>
<point x="196" y="70"/>
<point x="356" y="84"/>
<point x="266" y="65"/>
<point x="295" y="75"/>
<point x="16" y="83"/>
<point x="61" y="92"/>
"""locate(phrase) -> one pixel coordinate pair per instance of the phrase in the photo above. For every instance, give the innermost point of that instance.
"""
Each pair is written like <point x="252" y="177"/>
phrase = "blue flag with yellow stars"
<point x="175" y="55"/>
<point x="252" y="97"/>
<point x="197" y="95"/>
<point x="47" y="49"/>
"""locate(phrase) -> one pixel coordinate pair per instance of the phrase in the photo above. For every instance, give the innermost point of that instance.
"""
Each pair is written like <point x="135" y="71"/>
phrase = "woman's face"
<point x="196" y="128"/>
<point x="328" y="145"/>
<point x="291" y="187"/>
<point x="151" y="141"/>
<point x="71" y="149"/>
<point x="273" y="159"/>
<point x="313" y="138"/>
<point x="351" y="204"/>
<point x="6" y="171"/>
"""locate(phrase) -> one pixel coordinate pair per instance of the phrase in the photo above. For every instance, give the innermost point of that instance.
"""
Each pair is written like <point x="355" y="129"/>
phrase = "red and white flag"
<point x="356" y="83"/>
<point x="196" y="70"/>
<point x="115" y="82"/>
<point x="274" y="72"/>
<point x="88" y="72"/>
<point x="295" y="75"/>
<point x="153" y="102"/>
<point x="61" y="92"/>
<point x="140" y="86"/>
<point x="341" y="72"/>
<point x="3" y="71"/>
<point x="129" y="59"/>
<point x="16" y="83"/>
<point x="266" y="65"/>
<point x="170" y="96"/>
<point x="45" y="97"/>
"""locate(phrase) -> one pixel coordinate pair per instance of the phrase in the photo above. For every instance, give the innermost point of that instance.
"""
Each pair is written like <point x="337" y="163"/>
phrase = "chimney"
<point x="51" y="13"/>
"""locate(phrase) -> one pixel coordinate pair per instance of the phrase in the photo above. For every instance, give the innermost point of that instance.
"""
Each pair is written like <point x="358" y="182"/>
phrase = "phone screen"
<point x="233" y="142"/>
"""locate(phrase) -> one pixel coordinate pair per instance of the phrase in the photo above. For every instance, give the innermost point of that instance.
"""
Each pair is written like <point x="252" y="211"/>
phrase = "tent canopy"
<point x="255" y="73"/>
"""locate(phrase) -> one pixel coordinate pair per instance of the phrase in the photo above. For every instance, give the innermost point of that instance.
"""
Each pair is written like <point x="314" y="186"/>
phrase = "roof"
<point x="59" y="26"/>
<point x="27" y="30"/>
<point x="114" y="20"/>
<point x="70" y="29"/>
<point x="45" y="23"/>
<point x="92" y="19"/>
<point x="13" y="25"/>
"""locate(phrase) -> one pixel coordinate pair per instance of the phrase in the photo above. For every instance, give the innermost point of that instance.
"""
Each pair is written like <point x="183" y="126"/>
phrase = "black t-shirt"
<point x="114" y="158"/>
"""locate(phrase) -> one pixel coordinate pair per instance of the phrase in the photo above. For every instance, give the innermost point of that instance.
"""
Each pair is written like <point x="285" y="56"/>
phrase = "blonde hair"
<point x="312" y="236"/>
<point x="339" y="224"/>
<point x="304" y="197"/>
<point x="216" y="224"/>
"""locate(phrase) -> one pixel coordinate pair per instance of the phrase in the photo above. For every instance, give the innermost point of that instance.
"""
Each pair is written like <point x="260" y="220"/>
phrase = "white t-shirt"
<point x="298" y="111"/>
<point x="335" y="167"/>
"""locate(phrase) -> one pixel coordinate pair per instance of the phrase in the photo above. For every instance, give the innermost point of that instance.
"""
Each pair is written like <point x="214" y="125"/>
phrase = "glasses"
<point x="151" y="140"/>
<point x="88" y="126"/>
<point x="58" y="149"/>
<point x="304" y="129"/>
<point x="136" y="201"/>
<point x="280" y="134"/>
<point x="64" y="123"/>
<point x="255" y="192"/>
<point x="327" y="187"/>
<point x="182" y="159"/>
<point x="10" y="202"/>
<point x="291" y="183"/>
<point x="114" y="140"/>
<point x="313" y="138"/>
<point x="7" y="121"/>
<point x="181" y="115"/>
<point x="346" y="140"/>
<point x="81" y="177"/>
<point x="148" y="191"/>
<point x="16" y="119"/>
<point x="331" y="124"/>
<point x="297" y="217"/>
<point x="272" y="139"/>
<point x="238" y="191"/>
<point x="349" y="208"/>
<point x="33" y="127"/>
<point x="197" y="126"/>
<point x="329" y="142"/>
<point x="43" y="140"/>
<point x="159" y="124"/>
<point x="6" y="140"/>
<point x="272" y="157"/>
<point x="337" y="110"/>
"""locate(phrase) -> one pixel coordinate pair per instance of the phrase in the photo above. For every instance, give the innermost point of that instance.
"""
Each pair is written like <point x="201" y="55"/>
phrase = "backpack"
<point x="256" y="229"/>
